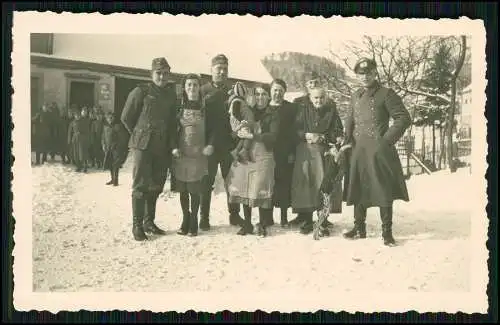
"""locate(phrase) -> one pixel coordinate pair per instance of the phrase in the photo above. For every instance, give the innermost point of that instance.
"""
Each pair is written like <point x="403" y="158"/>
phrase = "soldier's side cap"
<point x="219" y="59"/>
<point x="364" y="65"/>
<point x="159" y="64"/>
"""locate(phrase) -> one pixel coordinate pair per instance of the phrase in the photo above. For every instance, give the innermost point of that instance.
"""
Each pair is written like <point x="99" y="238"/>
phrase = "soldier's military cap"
<point x="219" y="59"/>
<point x="159" y="64"/>
<point x="364" y="65"/>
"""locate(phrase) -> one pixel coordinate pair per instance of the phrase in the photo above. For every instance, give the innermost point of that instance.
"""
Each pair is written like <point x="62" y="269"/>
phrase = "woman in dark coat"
<point x="97" y="155"/>
<point x="114" y="144"/>
<point x="318" y="125"/>
<point x="284" y="150"/>
<point x="42" y="134"/>
<point x="190" y="166"/>
<point x="375" y="177"/>
<point x="79" y="138"/>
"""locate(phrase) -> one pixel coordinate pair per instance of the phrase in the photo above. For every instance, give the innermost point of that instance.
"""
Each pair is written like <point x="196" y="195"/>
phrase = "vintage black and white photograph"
<point x="273" y="163"/>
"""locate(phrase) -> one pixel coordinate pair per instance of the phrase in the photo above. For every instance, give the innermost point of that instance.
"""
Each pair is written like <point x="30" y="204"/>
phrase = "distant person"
<point x="114" y="147"/>
<point x="42" y="123"/>
<point x="97" y="155"/>
<point x="375" y="177"/>
<point x="78" y="139"/>
<point x="215" y="95"/>
<point x="190" y="163"/>
<point x="149" y="115"/>
<point x="62" y="136"/>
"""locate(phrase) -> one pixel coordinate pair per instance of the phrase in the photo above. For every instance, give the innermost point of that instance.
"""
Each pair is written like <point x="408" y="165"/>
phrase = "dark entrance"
<point x="123" y="86"/>
<point x="82" y="94"/>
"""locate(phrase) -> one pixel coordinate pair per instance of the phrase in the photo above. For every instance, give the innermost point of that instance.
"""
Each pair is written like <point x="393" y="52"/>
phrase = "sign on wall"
<point x="104" y="91"/>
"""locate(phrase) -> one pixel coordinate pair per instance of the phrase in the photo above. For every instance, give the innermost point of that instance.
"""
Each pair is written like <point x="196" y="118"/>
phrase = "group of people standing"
<point x="82" y="137"/>
<point x="271" y="152"/>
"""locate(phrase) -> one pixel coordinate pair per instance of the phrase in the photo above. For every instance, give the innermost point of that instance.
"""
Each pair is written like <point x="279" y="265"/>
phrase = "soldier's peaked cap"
<point x="364" y="65"/>
<point x="159" y="64"/>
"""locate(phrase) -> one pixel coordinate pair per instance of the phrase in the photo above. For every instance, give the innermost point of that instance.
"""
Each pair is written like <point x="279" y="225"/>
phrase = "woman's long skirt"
<point x="252" y="183"/>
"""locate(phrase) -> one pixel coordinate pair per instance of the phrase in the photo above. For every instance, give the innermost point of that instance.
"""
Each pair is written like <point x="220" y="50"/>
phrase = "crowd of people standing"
<point x="271" y="152"/>
<point x="83" y="137"/>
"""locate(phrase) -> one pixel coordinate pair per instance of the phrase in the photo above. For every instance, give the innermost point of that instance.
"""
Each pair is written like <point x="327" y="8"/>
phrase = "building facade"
<point x="67" y="81"/>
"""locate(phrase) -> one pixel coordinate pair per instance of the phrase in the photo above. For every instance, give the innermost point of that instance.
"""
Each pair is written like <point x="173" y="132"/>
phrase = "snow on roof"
<point x="184" y="53"/>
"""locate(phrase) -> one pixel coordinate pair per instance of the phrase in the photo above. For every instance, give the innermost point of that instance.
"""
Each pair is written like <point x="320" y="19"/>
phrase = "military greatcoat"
<point x="375" y="176"/>
<point x="149" y="116"/>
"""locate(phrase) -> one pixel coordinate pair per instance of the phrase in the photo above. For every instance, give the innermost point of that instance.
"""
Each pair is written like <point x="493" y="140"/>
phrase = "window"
<point x="41" y="43"/>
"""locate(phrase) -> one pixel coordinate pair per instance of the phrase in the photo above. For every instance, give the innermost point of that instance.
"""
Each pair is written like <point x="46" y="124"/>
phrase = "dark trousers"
<point x="360" y="215"/>
<point x="149" y="173"/>
<point x="43" y="156"/>
<point x="225" y="161"/>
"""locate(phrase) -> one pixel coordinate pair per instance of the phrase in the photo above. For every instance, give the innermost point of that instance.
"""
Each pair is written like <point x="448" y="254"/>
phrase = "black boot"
<point x="235" y="219"/>
<point x="247" y="227"/>
<point x="193" y="221"/>
<point x="308" y="226"/>
<point x="186" y="214"/>
<point x="263" y="220"/>
<point x="205" y="211"/>
<point x="298" y="220"/>
<point x="149" y="225"/>
<point x="138" y="213"/>
<point x="111" y="181"/>
<point x="359" y="230"/>
<point x="185" y="225"/>
<point x="115" y="178"/>
<point x="284" y="218"/>
<point x="386" y="216"/>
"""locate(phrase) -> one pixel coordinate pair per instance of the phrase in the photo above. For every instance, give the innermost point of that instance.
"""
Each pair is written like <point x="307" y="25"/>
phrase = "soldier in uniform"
<point x="375" y="177"/>
<point x="149" y="115"/>
<point x="215" y="94"/>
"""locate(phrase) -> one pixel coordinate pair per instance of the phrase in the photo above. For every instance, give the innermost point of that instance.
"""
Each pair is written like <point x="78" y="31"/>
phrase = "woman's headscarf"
<point x="190" y="76"/>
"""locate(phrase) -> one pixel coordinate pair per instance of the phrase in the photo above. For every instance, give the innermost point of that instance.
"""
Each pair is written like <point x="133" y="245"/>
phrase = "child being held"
<point x="242" y="120"/>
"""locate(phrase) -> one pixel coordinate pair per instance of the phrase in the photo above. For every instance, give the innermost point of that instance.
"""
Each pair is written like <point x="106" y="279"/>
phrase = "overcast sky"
<point x="190" y="45"/>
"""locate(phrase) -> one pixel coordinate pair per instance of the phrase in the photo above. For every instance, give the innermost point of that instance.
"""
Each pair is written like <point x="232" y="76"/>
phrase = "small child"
<point x="114" y="147"/>
<point x="241" y="119"/>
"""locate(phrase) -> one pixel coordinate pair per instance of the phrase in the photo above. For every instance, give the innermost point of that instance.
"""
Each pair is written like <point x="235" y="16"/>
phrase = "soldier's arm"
<point x="174" y="128"/>
<point x="132" y="109"/>
<point x="399" y="114"/>
<point x="349" y="124"/>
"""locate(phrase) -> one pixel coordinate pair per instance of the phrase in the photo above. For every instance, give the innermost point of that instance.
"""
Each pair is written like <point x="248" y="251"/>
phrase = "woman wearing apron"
<point x="317" y="126"/>
<point x="252" y="184"/>
<point x="190" y="166"/>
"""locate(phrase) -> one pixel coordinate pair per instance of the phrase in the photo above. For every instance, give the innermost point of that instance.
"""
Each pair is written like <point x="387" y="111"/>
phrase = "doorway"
<point x="123" y="87"/>
<point x="82" y="93"/>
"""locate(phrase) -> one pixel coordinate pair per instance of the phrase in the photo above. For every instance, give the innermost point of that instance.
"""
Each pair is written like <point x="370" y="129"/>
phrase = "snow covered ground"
<point x="82" y="241"/>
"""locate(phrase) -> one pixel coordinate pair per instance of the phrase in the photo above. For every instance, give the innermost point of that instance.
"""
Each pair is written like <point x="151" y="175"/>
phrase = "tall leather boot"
<point x="308" y="225"/>
<point x="138" y="216"/>
<point x="193" y="221"/>
<point x="284" y="218"/>
<point x="149" y="218"/>
<point x="263" y="219"/>
<point x="186" y="214"/>
<point x="111" y="181"/>
<point x="247" y="227"/>
<point x="115" y="176"/>
<point x="359" y="229"/>
<point x="205" y="210"/>
<point x="386" y="216"/>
